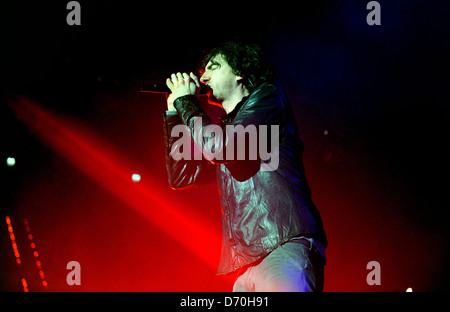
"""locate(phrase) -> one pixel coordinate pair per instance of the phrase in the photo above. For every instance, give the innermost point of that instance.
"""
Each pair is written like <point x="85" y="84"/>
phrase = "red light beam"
<point x="94" y="157"/>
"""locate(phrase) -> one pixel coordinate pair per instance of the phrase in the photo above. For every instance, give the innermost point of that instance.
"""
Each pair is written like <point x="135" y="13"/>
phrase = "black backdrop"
<point x="369" y="101"/>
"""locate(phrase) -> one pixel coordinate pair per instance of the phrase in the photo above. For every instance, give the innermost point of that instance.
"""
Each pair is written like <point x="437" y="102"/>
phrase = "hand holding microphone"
<point x="181" y="84"/>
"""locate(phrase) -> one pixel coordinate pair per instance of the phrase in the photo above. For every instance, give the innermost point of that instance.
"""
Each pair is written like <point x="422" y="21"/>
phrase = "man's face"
<point x="219" y="77"/>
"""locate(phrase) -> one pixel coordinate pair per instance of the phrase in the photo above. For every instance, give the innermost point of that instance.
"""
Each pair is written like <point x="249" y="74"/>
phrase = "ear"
<point x="244" y="82"/>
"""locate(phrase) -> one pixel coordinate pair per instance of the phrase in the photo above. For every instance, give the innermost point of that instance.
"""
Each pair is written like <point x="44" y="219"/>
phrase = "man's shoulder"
<point x="265" y="89"/>
<point x="267" y="93"/>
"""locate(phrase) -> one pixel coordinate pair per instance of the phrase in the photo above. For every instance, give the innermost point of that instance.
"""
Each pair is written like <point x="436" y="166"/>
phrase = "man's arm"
<point x="183" y="173"/>
<point x="265" y="107"/>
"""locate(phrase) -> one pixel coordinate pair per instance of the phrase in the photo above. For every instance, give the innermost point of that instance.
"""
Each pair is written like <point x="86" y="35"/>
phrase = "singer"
<point x="273" y="235"/>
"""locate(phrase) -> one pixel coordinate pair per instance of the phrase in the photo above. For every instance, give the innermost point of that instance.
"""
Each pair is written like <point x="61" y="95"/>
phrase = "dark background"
<point x="370" y="106"/>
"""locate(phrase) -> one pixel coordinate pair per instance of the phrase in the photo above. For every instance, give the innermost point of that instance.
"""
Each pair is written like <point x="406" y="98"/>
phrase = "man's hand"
<point x="180" y="85"/>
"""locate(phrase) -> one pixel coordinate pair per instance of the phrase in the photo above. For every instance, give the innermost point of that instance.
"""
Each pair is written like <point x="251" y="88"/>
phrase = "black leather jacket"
<point x="260" y="209"/>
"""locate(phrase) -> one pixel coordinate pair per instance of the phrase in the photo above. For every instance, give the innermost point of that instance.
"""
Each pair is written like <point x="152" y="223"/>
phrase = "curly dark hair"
<point x="245" y="60"/>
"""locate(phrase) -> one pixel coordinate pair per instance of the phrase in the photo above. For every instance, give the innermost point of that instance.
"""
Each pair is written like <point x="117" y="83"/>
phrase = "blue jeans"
<point x="291" y="267"/>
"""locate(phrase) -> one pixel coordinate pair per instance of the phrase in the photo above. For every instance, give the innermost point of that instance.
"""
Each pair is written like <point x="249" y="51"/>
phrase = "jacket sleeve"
<point x="265" y="106"/>
<point x="184" y="173"/>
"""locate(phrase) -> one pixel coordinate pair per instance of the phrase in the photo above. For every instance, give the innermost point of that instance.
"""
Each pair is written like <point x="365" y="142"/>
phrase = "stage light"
<point x="136" y="177"/>
<point x="35" y="253"/>
<point x="10" y="161"/>
<point x="108" y="168"/>
<point x="13" y="240"/>
<point x="25" y="285"/>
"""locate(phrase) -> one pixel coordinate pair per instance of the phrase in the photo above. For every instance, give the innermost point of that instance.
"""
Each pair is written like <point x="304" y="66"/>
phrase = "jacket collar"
<point x="225" y="119"/>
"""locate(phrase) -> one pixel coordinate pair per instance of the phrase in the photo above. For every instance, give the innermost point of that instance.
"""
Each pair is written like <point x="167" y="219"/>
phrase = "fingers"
<point x="174" y="78"/>
<point x="182" y="84"/>
<point x="179" y="78"/>
<point x="197" y="82"/>
<point x="169" y="84"/>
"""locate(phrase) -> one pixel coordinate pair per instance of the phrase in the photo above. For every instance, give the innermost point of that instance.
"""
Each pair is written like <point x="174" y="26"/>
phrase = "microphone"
<point x="163" y="88"/>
